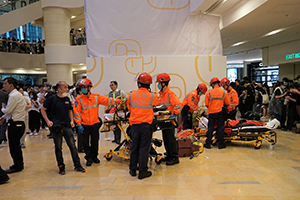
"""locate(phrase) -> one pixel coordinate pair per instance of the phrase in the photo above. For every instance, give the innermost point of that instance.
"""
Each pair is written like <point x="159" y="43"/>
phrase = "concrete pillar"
<point x="57" y="31"/>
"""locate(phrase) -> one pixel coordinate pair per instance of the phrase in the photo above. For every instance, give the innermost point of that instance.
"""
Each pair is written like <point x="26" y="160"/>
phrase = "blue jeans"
<point x="68" y="135"/>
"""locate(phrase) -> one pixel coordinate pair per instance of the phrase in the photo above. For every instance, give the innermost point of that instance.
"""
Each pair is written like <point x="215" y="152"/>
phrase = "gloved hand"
<point x="80" y="129"/>
<point x="172" y="116"/>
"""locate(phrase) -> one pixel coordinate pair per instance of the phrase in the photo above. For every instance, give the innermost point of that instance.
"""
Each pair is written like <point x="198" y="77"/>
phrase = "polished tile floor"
<point x="237" y="172"/>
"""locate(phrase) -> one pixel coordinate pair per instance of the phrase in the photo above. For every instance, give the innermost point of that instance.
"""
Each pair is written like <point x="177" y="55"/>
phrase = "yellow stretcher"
<point x="123" y="149"/>
<point x="245" y="134"/>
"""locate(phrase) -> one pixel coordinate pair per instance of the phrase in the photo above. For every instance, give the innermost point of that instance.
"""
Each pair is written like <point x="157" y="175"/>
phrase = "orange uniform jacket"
<point x="191" y="99"/>
<point x="86" y="108"/>
<point x="140" y="104"/>
<point x="170" y="99"/>
<point x="215" y="99"/>
<point x="234" y="99"/>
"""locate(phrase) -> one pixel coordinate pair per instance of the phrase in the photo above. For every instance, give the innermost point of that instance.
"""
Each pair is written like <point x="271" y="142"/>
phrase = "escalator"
<point x="15" y="13"/>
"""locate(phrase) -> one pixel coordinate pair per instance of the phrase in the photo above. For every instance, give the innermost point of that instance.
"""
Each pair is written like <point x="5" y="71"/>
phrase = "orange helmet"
<point x="163" y="77"/>
<point x="214" y="79"/>
<point x="202" y="87"/>
<point x="224" y="81"/>
<point x="86" y="81"/>
<point x="145" y="78"/>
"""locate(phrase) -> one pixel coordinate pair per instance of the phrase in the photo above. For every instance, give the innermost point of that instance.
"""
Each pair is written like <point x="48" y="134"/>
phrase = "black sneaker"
<point x="165" y="159"/>
<point x="222" y="146"/>
<point x="89" y="162"/>
<point x="4" y="179"/>
<point x="144" y="174"/>
<point x="172" y="161"/>
<point x="96" y="160"/>
<point x="79" y="169"/>
<point x="208" y="146"/>
<point x="132" y="172"/>
<point x="62" y="170"/>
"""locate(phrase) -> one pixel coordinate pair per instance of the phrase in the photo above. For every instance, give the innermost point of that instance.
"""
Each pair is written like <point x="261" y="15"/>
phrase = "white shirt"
<point x="27" y="100"/>
<point x="15" y="108"/>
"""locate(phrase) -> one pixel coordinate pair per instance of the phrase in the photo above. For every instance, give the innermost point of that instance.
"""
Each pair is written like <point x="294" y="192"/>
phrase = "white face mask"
<point x="65" y="94"/>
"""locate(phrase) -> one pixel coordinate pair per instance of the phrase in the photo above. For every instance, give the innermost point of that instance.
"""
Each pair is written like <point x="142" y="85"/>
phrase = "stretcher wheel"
<point x="158" y="160"/>
<point x="257" y="147"/>
<point x="108" y="156"/>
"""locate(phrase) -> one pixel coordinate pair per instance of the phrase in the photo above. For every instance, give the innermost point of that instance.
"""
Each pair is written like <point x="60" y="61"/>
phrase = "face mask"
<point x="84" y="91"/>
<point x="283" y="87"/>
<point x="35" y="90"/>
<point x="158" y="86"/>
<point x="299" y="82"/>
<point x="44" y="88"/>
<point x="31" y="96"/>
<point x="65" y="94"/>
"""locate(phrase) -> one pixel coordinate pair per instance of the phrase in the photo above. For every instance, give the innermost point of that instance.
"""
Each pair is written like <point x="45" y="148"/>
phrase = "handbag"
<point x="265" y="99"/>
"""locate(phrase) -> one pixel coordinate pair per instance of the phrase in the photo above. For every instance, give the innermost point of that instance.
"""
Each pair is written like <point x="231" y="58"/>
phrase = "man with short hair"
<point x="3" y="127"/>
<point x="61" y="121"/>
<point x="116" y="94"/>
<point x="14" y="113"/>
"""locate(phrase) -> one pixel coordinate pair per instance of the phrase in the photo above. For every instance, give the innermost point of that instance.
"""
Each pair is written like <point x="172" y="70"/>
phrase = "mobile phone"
<point x="4" y="105"/>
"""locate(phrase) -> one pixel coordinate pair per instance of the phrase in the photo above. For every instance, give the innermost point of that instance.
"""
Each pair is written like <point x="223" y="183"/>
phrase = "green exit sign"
<point x="292" y="56"/>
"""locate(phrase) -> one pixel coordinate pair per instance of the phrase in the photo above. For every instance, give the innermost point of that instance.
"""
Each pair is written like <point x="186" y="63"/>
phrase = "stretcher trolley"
<point x="247" y="134"/>
<point x="121" y="119"/>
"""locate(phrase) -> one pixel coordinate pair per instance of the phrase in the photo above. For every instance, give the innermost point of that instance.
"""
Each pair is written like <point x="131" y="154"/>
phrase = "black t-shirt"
<point x="49" y="94"/>
<point x="292" y="105"/>
<point x="278" y="92"/>
<point x="60" y="114"/>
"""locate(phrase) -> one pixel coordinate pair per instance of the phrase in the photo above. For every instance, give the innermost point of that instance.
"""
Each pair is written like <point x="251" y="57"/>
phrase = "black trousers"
<point x="187" y="119"/>
<point x="170" y="143"/>
<point x="141" y="140"/>
<point x="212" y="118"/>
<point x="231" y="114"/>
<point x="34" y="121"/>
<point x="91" y="146"/>
<point x="44" y="123"/>
<point x="15" y="132"/>
<point x="292" y="114"/>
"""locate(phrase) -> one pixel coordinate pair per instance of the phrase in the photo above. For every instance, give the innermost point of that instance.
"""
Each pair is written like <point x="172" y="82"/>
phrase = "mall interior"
<point x="48" y="41"/>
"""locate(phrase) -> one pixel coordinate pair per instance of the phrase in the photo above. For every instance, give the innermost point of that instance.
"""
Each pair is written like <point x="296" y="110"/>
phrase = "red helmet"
<point x="214" y="79"/>
<point x="145" y="78"/>
<point x="224" y="81"/>
<point x="86" y="81"/>
<point x="163" y="77"/>
<point x="202" y="87"/>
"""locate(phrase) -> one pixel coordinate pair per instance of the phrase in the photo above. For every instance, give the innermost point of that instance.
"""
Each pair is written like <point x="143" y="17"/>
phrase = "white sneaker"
<point x="31" y="134"/>
<point x="36" y="134"/>
<point x="46" y="128"/>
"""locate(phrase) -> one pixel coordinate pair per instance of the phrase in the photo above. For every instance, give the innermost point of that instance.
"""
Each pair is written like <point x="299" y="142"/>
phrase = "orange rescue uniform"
<point x="191" y="99"/>
<point x="86" y="108"/>
<point x="170" y="99"/>
<point x="215" y="99"/>
<point x="140" y="104"/>
<point x="234" y="98"/>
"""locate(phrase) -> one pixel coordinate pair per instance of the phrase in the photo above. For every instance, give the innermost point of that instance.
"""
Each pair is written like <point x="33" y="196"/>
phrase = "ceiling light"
<point x="237" y="44"/>
<point x="274" y="32"/>
<point x="81" y="64"/>
<point x="72" y="17"/>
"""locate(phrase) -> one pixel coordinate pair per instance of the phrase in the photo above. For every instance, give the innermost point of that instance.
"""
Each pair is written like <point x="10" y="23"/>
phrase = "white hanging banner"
<point x="149" y="27"/>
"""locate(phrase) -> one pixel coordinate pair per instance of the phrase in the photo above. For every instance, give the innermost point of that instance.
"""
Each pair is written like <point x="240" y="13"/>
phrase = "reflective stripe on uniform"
<point x="87" y="107"/>
<point x="142" y="106"/>
<point x="210" y="98"/>
<point x="77" y="118"/>
<point x="77" y="114"/>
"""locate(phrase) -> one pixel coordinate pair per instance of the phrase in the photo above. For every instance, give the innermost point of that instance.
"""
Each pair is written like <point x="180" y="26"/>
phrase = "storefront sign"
<point x="292" y="56"/>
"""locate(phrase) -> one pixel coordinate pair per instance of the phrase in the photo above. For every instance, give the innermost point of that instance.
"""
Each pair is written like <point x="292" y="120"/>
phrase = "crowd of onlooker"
<point x="23" y="46"/>
<point x="259" y="101"/>
<point x="78" y="36"/>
